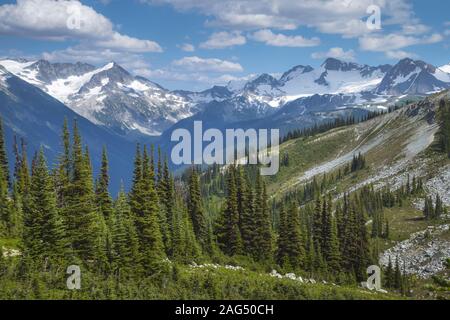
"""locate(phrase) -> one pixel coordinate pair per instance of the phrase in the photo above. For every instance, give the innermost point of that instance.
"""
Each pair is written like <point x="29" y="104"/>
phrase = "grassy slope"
<point x="400" y="132"/>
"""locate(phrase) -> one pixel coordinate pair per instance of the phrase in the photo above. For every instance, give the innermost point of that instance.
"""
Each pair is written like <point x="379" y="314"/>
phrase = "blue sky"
<point x="194" y="44"/>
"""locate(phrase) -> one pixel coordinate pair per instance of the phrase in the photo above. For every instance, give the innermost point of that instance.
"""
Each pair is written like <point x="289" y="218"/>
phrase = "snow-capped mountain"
<point x="216" y="93"/>
<point x="108" y="96"/>
<point x="414" y="77"/>
<point x="30" y="113"/>
<point x="333" y="77"/>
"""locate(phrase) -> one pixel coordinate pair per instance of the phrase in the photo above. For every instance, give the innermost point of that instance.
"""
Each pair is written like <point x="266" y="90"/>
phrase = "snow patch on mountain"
<point x="63" y="89"/>
<point x="112" y="97"/>
<point x="20" y="68"/>
<point x="445" y="68"/>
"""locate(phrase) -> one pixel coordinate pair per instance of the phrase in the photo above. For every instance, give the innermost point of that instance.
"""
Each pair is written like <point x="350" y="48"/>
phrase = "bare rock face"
<point x="423" y="254"/>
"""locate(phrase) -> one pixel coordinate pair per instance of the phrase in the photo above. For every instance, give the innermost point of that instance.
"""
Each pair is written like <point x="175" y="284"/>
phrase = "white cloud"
<point x="415" y="29"/>
<point x="197" y="64"/>
<point x="330" y="16"/>
<point x="281" y="40"/>
<point x="220" y="40"/>
<point x="393" y="42"/>
<point x="197" y="80"/>
<point x="337" y="53"/>
<point x="123" y="42"/>
<point x="67" y="20"/>
<point x="187" y="47"/>
<point x="130" y="61"/>
<point x="400" y="54"/>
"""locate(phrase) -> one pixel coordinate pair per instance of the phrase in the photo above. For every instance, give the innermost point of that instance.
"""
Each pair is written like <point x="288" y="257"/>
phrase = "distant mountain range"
<point x="110" y="96"/>
<point x="115" y="108"/>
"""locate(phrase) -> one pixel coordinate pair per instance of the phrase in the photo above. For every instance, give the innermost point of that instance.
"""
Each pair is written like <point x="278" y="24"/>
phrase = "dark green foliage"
<point x="6" y="207"/>
<point x="433" y="211"/>
<point x="166" y="196"/>
<point x="330" y="247"/>
<point x="104" y="200"/>
<point x="291" y="252"/>
<point x="84" y="225"/>
<point x="3" y="155"/>
<point x="44" y="233"/>
<point x="329" y="125"/>
<point x="185" y="247"/>
<point x="246" y="210"/>
<point x="263" y="238"/>
<point x="125" y="242"/>
<point x="358" y="162"/>
<point x="389" y="275"/>
<point x="227" y="230"/>
<point x="443" y="135"/>
<point x="146" y="215"/>
<point x="196" y="213"/>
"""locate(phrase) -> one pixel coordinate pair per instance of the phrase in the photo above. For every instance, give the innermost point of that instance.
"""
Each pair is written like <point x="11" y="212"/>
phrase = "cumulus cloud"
<point x="347" y="16"/>
<point x="337" y="53"/>
<point x="281" y="40"/>
<point x="220" y="40"/>
<point x="123" y="42"/>
<point x="67" y="20"/>
<point x="207" y="65"/>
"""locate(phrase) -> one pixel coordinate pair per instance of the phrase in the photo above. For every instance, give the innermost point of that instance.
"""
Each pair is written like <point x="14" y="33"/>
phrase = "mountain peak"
<point x="263" y="79"/>
<point x="407" y="64"/>
<point x="334" y="64"/>
<point x="300" y="69"/>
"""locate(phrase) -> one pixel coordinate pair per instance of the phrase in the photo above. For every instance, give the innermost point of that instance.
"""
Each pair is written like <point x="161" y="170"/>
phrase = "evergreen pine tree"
<point x="263" y="246"/>
<point x="317" y="226"/>
<point x="196" y="213"/>
<point x="147" y="220"/>
<point x="439" y="209"/>
<point x="3" y="155"/>
<point x="80" y="210"/>
<point x="247" y="214"/>
<point x="283" y="237"/>
<point x="296" y="241"/>
<point x="363" y="250"/>
<point x="444" y="128"/>
<point x="5" y="205"/>
<point x="185" y="247"/>
<point x="44" y="233"/>
<point x="124" y="236"/>
<point x="389" y="278"/>
<point x="397" y="275"/>
<point x="228" y="232"/>
<point x="104" y="200"/>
